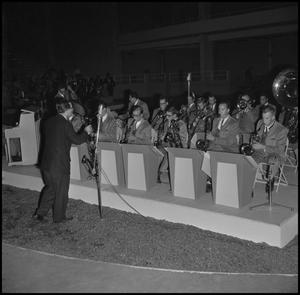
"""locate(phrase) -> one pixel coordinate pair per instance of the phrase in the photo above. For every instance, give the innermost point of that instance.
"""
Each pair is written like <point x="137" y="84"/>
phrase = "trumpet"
<point x="172" y="136"/>
<point x="247" y="148"/>
<point x="241" y="106"/>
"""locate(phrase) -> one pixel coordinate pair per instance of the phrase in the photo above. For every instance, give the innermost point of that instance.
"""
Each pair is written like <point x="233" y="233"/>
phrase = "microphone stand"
<point x="269" y="205"/>
<point x="95" y="171"/>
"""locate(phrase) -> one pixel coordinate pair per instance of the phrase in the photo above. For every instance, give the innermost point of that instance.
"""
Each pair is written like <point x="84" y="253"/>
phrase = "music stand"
<point x="270" y="204"/>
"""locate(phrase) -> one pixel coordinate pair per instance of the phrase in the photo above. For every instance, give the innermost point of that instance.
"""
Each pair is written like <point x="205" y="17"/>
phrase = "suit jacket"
<point x="211" y="118"/>
<point x="59" y="135"/>
<point x="191" y="113"/>
<point x="247" y="121"/>
<point x="141" y="135"/>
<point x="226" y="137"/>
<point x="276" y="138"/>
<point x="108" y="130"/>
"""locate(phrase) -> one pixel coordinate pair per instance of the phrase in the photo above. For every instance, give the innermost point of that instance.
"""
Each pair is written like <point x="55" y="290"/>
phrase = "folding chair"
<point x="280" y="179"/>
<point x="291" y="159"/>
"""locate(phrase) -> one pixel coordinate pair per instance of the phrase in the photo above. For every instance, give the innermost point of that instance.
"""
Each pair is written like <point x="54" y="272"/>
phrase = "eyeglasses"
<point x="169" y="115"/>
<point x="136" y="115"/>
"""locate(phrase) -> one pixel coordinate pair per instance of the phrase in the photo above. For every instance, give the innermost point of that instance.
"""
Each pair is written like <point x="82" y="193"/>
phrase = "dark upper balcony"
<point x="250" y="24"/>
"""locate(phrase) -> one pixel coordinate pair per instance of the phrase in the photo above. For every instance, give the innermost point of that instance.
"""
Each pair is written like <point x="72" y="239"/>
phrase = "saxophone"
<point x="128" y="129"/>
<point x="160" y="129"/>
<point x="201" y="115"/>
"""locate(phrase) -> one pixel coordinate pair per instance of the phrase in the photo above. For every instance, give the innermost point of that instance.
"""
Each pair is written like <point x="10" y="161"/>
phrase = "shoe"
<point x="65" y="219"/>
<point x="208" y="187"/>
<point x="38" y="217"/>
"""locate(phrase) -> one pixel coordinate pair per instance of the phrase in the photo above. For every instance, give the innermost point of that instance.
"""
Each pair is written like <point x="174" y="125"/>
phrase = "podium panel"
<point x="183" y="178"/>
<point x="141" y="164"/>
<point x="110" y="157"/>
<point x="78" y="171"/>
<point x="23" y="141"/>
<point x="233" y="177"/>
<point x="187" y="178"/>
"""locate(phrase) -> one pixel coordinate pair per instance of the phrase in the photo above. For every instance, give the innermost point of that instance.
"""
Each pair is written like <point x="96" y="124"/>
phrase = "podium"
<point x="78" y="170"/>
<point x="187" y="178"/>
<point x="22" y="142"/>
<point x="233" y="177"/>
<point x="141" y="164"/>
<point x="110" y="157"/>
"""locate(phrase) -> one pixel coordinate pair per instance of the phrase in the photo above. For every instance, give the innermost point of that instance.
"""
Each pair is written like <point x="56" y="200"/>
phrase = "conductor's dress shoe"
<point x="65" y="219"/>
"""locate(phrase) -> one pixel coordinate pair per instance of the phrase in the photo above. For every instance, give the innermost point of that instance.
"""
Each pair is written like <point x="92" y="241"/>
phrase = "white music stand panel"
<point x="227" y="185"/>
<point x="28" y="133"/>
<point x="184" y="178"/>
<point x="75" y="165"/>
<point x="109" y="166"/>
<point x="206" y="164"/>
<point x="136" y="172"/>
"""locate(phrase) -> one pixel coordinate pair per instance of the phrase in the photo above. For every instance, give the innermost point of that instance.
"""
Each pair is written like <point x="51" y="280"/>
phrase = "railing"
<point x="219" y="75"/>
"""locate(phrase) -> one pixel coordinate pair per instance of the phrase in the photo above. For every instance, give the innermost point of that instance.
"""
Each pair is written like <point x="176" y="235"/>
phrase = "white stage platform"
<point x="276" y="228"/>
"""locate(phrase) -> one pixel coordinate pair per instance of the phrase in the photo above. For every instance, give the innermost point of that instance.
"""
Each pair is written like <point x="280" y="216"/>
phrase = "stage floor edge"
<point x="275" y="228"/>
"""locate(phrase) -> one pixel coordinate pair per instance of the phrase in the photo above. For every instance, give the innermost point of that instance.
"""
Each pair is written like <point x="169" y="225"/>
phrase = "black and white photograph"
<point x="150" y="147"/>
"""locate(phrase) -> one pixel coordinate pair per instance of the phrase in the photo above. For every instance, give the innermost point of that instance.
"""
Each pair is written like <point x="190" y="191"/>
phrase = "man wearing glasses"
<point x="139" y="129"/>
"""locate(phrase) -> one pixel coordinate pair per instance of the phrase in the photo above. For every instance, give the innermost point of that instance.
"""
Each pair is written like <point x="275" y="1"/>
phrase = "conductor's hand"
<point x="210" y="137"/>
<point x="258" y="146"/>
<point x="88" y="129"/>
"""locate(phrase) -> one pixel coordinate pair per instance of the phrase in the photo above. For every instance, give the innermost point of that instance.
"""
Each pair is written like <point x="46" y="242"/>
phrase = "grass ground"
<point x="129" y="238"/>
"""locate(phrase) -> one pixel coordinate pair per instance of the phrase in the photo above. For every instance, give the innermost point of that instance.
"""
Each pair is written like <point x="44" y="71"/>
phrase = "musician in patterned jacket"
<point x="225" y="131"/>
<point x="138" y="128"/>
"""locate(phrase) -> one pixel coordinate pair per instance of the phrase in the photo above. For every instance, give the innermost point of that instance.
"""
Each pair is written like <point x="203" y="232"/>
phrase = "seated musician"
<point x="109" y="129"/>
<point x="272" y="137"/>
<point x="191" y="110"/>
<point x="202" y="106"/>
<point x="225" y="130"/>
<point x="135" y="101"/>
<point x="200" y="122"/>
<point x="246" y="116"/>
<point x="174" y="135"/>
<point x="263" y="101"/>
<point x="213" y="108"/>
<point x="158" y="113"/>
<point x="138" y="128"/>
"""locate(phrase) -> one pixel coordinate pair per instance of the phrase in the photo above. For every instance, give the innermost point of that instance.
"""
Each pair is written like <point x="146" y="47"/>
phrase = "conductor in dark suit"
<point x="59" y="135"/>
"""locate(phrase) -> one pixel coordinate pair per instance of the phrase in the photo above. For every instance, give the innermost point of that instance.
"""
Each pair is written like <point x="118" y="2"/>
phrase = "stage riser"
<point x="243" y="228"/>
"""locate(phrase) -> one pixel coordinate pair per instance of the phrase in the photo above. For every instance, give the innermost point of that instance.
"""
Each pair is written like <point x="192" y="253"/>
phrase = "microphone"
<point x="100" y="109"/>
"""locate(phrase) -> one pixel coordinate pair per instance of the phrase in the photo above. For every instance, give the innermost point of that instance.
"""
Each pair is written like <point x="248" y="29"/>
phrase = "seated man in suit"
<point x="158" y="119"/>
<point x="191" y="110"/>
<point x="225" y="130"/>
<point x="272" y="139"/>
<point x="138" y="129"/>
<point x="159" y="112"/>
<point x="109" y="129"/>
<point x="213" y="107"/>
